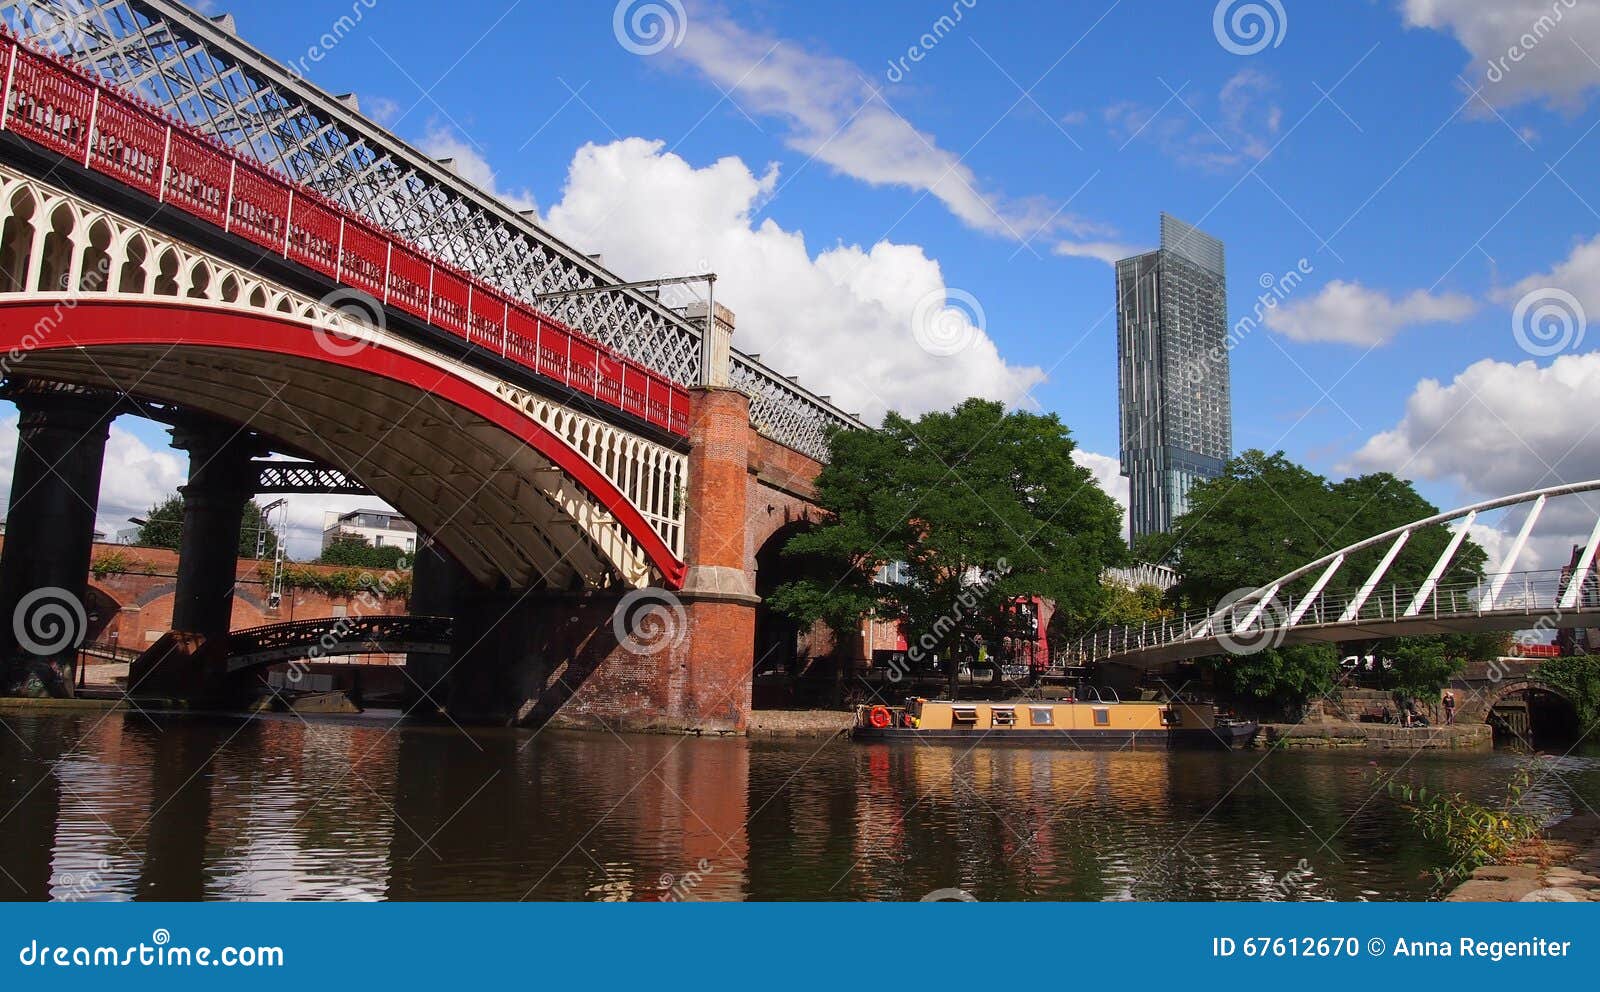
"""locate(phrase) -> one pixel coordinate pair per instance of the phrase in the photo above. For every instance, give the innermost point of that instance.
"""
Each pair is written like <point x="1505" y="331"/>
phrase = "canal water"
<point x="99" y="806"/>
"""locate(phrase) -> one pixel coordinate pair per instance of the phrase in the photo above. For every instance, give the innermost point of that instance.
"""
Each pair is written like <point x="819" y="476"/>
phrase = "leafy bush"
<point x="1473" y="834"/>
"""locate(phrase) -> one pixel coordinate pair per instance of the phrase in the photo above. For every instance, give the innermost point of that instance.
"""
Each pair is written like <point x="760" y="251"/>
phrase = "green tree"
<point x="1421" y="666"/>
<point x="978" y="504"/>
<point x="1267" y="516"/>
<point x="355" y="551"/>
<point x="1578" y="678"/>
<point x="1116" y="606"/>
<point x="1263" y="517"/>
<point x="1281" y="677"/>
<point x="162" y="527"/>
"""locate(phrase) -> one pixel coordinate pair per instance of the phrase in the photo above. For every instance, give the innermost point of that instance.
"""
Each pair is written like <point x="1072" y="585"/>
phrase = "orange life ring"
<point x="879" y="717"/>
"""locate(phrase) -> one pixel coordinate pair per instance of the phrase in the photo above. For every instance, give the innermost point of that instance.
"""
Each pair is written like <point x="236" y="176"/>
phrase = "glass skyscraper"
<point x="1172" y="372"/>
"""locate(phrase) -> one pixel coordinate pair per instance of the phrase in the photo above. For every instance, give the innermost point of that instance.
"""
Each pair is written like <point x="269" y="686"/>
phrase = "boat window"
<point x="1002" y="716"/>
<point x="1102" y="717"/>
<point x="1041" y="716"/>
<point x="963" y="715"/>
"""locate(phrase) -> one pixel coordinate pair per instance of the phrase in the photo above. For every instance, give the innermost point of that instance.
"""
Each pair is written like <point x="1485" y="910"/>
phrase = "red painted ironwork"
<point x="56" y="105"/>
<point x="124" y="323"/>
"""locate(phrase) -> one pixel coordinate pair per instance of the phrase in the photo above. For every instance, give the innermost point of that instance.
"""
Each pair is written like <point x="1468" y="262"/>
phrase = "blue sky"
<point x="790" y="146"/>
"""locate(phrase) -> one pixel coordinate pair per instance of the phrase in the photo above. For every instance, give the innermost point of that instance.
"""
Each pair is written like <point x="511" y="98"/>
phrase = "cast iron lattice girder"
<point x="198" y="70"/>
<point x="279" y="476"/>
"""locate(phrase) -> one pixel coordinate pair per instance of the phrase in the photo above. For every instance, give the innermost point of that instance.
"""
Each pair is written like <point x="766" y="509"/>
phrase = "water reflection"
<point x="135" y="806"/>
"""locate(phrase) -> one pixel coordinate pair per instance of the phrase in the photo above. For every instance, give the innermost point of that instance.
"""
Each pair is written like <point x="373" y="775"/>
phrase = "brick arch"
<point x="1478" y="708"/>
<point x="101" y="607"/>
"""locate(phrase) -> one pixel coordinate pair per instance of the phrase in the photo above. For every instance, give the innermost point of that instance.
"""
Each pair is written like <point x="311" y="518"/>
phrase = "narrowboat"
<point x="1068" y="723"/>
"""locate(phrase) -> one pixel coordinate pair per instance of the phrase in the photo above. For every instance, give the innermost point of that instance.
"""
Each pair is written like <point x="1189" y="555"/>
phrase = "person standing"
<point x="1449" y="706"/>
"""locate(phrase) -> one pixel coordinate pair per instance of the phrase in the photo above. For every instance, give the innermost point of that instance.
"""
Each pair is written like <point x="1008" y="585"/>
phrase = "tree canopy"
<point x="355" y="551"/>
<point x="163" y="528"/>
<point x="977" y="505"/>
<point x="1266" y="516"/>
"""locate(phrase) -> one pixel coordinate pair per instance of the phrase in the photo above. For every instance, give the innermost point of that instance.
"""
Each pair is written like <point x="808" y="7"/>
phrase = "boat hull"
<point x="1221" y="737"/>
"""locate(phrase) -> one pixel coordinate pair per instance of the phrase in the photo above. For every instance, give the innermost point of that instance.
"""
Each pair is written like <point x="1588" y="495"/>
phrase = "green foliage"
<point x="1578" y="678"/>
<point x="1285" y="677"/>
<point x="1421" y="666"/>
<point x="1267" y="516"/>
<point x="1472" y="834"/>
<point x="163" y="528"/>
<point x="118" y="562"/>
<point x="1117" y="606"/>
<point x="163" y="524"/>
<point x="958" y="493"/>
<point x="355" y="551"/>
<point x="1156" y="549"/>
<point x="347" y="581"/>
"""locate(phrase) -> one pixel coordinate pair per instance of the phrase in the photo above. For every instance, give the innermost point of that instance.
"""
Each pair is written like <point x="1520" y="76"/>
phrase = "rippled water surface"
<point x="124" y="806"/>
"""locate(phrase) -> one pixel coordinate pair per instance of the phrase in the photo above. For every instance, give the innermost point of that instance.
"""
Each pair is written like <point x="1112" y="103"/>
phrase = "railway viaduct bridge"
<point x="191" y="233"/>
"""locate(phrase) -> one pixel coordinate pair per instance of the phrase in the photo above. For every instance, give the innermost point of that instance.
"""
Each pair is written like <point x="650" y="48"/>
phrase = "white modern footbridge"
<point x="1287" y="611"/>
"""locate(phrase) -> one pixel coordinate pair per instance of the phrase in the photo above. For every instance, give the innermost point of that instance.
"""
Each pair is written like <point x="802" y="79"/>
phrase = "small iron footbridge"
<point x="332" y="637"/>
<point x="1275" y="614"/>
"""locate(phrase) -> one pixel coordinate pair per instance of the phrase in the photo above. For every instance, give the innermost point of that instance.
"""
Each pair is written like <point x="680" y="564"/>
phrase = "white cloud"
<point x="1350" y="313"/>
<point x="1578" y="274"/>
<point x="134" y="478"/>
<point x="1239" y="125"/>
<point x="842" y="319"/>
<point x="381" y="109"/>
<point x="1499" y="429"/>
<point x="1109" y="252"/>
<point x="836" y="116"/>
<point x="444" y="143"/>
<point x="1521" y="50"/>
<point x="1108" y="472"/>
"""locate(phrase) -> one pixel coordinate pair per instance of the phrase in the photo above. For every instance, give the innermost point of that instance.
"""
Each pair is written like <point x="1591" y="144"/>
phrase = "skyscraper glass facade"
<point x="1172" y="372"/>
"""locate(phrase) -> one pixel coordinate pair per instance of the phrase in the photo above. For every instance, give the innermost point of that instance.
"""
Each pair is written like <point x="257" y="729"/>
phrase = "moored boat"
<point x="1069" y="723"/>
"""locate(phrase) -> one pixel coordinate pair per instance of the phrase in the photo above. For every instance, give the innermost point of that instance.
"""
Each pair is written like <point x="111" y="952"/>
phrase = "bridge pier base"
<point x="55" y="493"/>
<point x="649" y="660"/>
<point x="437" y="584"/>
<point x="184" y="664"/>
<point x="221" y="480"/>
<point x="659" y="661"/>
